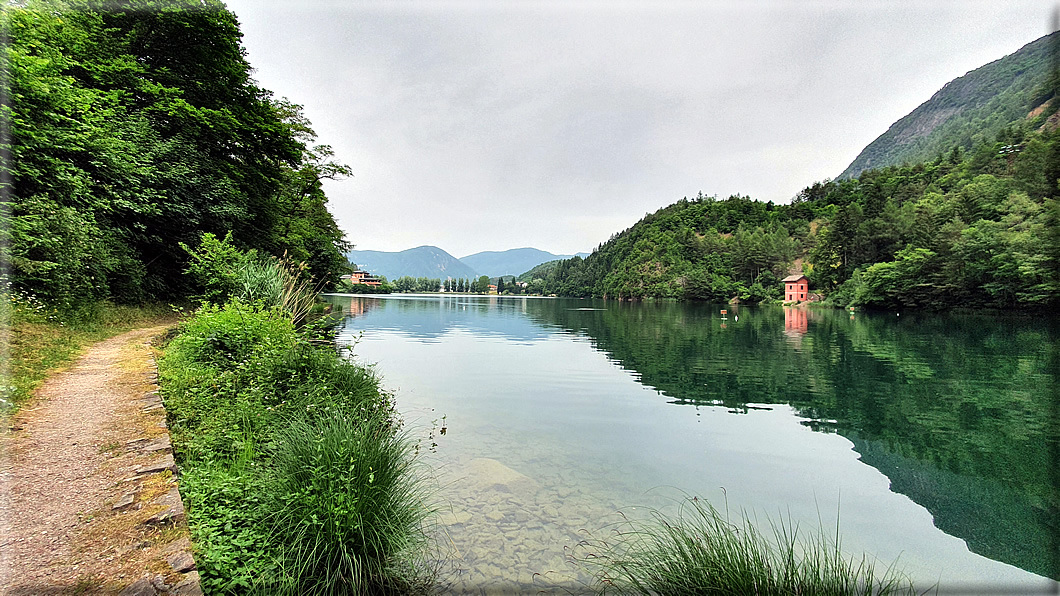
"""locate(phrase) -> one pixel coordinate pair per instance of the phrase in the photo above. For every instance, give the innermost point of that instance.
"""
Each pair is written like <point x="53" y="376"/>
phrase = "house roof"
<point x="795" y="277"/>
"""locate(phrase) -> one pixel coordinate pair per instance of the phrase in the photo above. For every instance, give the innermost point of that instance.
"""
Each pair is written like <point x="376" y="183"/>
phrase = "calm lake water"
<point x="934" y="438"/>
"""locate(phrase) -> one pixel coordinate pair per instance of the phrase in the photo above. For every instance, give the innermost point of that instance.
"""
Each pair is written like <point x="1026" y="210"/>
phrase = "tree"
<point x="136" y="126"/>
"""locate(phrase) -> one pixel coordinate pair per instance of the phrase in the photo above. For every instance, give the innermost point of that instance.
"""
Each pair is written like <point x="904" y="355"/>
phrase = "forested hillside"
<point x="977" y="229"/>
<point x="138" y="127"/>
<point x="969" y="110"/>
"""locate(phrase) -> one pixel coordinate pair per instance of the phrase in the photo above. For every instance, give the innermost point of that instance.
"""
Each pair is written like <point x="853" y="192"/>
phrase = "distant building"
<point x="796" y="288"/>
<point x="363" y="277"/>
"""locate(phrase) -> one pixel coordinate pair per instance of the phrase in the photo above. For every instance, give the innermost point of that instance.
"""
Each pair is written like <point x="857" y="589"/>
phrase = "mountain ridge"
<point x="513" y="261"/>
<point x="421" y="261"/>
<point x="434" y="262"/>
<point x="966" y="111"/>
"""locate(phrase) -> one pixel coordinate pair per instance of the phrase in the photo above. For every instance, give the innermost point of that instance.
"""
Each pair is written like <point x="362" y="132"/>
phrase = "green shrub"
<point x="272" y="432"/>
<point x="214" y="266"/>
<point x="225" y="272"/>
<point x="228" y="335"/>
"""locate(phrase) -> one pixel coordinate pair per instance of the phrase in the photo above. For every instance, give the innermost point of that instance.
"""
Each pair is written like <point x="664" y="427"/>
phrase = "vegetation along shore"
<point x="146" y="177"/>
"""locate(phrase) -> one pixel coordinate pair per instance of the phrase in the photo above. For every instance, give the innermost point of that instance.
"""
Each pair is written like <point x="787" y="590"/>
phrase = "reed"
<point x="277" y="282"/>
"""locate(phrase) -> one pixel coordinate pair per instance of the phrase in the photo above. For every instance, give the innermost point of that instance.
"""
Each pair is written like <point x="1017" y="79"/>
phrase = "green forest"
<point x="975" y="229"/>
<point x="135" y="127"/>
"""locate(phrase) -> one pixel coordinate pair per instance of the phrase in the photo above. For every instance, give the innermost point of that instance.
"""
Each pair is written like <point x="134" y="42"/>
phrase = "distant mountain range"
<point x="510" y="262"/>
<point x="433" y="262"/>
<point x="967" y="111"/>
<point x="422" y="261"/>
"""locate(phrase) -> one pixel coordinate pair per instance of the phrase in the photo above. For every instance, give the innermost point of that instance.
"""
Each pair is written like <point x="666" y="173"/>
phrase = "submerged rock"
<point x="490" y="474"/>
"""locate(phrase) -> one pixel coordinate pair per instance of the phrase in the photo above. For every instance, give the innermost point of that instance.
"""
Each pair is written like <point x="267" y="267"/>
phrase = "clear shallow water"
<point x="934" y="437"/>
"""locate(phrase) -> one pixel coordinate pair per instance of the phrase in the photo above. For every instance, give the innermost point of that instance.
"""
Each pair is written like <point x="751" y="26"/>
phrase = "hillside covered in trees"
<point x="136" y="126"/>
<point x="975" y="229"/>
<point x="968" y="111"/>
<point x="961" y="210"/>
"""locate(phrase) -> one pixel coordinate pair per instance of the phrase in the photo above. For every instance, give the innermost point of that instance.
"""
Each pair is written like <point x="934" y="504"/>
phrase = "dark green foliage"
<point x="214" y="267"/>
<point x="416" y="284"/>
<point x="703" y="249"/>
<point x="537" y="272"/>
<point x="950" y="234"/>
<point x="974" y="230"/>
<point x="136" y="126"/>
<point x="366" y="289"/>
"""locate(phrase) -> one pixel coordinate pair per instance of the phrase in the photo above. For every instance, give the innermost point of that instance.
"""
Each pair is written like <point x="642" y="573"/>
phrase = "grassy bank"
<point x="297" y="476"/>
<point x="702" y="551"/>
<point x="36" y="339"/>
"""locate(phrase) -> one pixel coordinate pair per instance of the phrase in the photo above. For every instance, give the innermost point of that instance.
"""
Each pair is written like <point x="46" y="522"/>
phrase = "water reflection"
<point x="960" y="413"/>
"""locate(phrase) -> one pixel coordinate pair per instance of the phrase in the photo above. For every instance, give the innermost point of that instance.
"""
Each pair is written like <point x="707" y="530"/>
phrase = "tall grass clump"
<point x="296" y="475"/>
<point x="223" y="272"/>
<point x="351" y="509"/>
<point x="700" y="551"/>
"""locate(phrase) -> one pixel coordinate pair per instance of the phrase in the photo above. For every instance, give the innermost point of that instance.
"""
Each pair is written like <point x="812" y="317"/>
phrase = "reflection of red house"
<point x="796" y="288"/>
<point x="363" y="277"/>
<point x="795" y="321"/>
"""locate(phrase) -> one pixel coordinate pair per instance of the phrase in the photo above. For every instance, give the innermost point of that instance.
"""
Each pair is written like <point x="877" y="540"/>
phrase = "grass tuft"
<point x="700" y="551"/>
<point x="351" y="508"/>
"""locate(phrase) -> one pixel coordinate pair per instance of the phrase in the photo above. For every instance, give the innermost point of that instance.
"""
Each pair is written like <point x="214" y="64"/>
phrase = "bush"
<point x="296" y="475"/>
<point x="225" y="272"/>
<point x="214" y="265"/>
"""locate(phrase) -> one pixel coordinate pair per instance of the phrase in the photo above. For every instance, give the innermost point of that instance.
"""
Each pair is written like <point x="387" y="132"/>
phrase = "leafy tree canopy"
<point x="136" y="126"/>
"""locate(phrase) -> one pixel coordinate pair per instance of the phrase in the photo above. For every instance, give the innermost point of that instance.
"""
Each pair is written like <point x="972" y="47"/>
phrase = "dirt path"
<point x="88" y="503"/>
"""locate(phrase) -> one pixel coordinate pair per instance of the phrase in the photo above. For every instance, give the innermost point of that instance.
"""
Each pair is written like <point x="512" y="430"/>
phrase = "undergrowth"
<point x="297" y="476"/>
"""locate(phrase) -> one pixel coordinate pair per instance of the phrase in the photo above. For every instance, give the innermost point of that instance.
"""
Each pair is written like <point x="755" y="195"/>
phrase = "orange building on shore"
<point x="363" y="277"/>
<point x="796" y="288"/>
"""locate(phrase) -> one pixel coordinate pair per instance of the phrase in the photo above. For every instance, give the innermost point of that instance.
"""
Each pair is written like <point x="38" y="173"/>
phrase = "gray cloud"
<point x="490" y="126"/>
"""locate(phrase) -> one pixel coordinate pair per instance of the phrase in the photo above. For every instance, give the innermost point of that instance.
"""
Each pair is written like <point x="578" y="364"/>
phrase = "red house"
<point x="796" y="288"/>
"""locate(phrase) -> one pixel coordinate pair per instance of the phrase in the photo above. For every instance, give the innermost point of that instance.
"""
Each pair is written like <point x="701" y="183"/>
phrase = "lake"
<point x="934" y="439"/>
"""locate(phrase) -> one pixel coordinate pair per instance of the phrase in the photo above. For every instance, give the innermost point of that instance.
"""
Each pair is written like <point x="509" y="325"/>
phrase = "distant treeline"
<point x="976" y="229"/>
<point x="407" y="284"/>
<point x="135" y="125"/>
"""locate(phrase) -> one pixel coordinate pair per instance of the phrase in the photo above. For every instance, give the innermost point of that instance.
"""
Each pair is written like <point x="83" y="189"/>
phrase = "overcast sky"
<point x="485" y="126"/>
